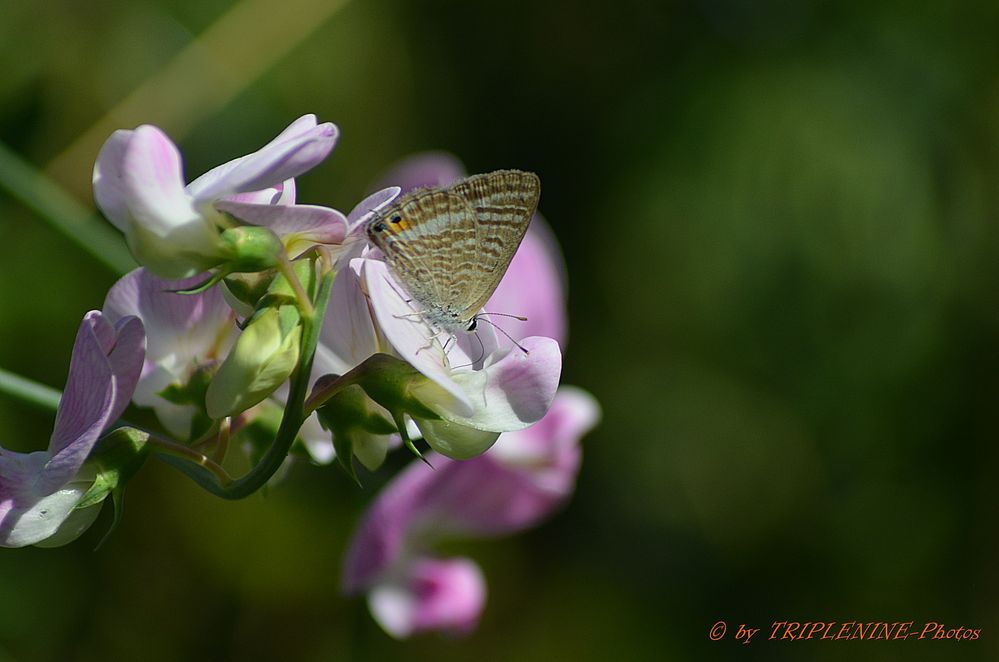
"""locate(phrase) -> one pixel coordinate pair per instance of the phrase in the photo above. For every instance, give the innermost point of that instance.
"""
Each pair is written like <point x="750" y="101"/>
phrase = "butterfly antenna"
<point x="516" y="317"/>
<point x="500" y="329"/>
<point x="482" y="349"/>
<point x="482" y="353"/>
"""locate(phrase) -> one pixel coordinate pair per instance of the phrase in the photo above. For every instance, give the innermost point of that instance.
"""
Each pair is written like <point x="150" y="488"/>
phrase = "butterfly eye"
<point x="396" y="219"/>
<point x="380" y="227"/>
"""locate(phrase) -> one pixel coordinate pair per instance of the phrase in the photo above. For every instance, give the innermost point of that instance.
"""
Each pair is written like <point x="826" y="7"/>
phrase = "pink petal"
<point x="109" y="187"/>
<point x="279" y="194"/>
<point x="300" y="127"/>
<point x="480" y="497"/>
<point x="185" y="324"/>
<point x="86" y="405"/>
<point x="34" y="497"/>
<point x="210" y="179"/>
<point x="409" y="335"/>
<point x="431" y="595"/>
<point x="126" y="360"/>
<point x="348" y="332"/>
<point x="153" y="183"/>
<point x="297" y="149"/>
<point x="183" y="332"/>
<point x="511" y="393"/>
<point x="483" y="497"/>
<point x="29" y="516"/>
<point x="378" y="541"/>
<point x="573" y="413"/>
<point x="320" y="225"/>
<point x="366" y="208"/>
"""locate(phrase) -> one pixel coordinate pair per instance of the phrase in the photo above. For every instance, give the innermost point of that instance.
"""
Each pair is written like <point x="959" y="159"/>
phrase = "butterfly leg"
<point x="430" y="343"/>
<point x="397" y="291"/>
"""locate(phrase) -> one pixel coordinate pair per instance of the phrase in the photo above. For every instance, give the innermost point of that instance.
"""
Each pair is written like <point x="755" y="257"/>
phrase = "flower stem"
<point x="304" y="302"/>
<point x="222" y="447"/>
<point x="164" y="447"/>
<point x="29" y="391"/>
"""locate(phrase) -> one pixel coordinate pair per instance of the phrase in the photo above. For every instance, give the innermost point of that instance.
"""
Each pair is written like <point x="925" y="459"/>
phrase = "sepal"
<point x="245" y="290"/>
<point x="358" y="428"/>
<point x="394" y="384"/>
<point x="116" y="459"/>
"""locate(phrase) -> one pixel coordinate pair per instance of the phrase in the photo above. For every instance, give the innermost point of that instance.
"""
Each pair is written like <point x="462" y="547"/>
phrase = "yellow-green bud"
<point x="262" y="359"/>
<point x="251" y="249"/>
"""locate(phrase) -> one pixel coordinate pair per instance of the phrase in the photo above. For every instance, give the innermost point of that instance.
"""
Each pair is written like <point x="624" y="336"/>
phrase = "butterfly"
<point x="450" y="247"/>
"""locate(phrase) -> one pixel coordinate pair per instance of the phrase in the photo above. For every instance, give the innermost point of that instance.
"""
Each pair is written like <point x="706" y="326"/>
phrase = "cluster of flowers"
<point x="269" y="325"/>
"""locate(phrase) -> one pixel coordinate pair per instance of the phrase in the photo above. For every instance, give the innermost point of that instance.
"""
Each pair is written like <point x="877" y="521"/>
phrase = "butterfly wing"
<point x="451" y="247"/>
<point x="503" y="203"/>
<point x="429" y="239"/>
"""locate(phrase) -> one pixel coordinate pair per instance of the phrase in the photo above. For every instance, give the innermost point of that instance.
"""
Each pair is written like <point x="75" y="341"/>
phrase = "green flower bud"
<point x="251" y="249"/>
<point x="264" y="356"/>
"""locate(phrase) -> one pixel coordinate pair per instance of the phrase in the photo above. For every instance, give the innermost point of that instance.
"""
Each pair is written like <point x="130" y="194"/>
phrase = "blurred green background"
<point x="781" y="223"/>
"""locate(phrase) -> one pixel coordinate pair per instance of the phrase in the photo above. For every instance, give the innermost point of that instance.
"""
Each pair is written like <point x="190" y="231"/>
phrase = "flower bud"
<point x="264" y="356"/>
<point x="251" y="249"/>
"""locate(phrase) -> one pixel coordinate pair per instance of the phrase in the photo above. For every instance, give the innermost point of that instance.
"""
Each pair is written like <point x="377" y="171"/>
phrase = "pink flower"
<point x="522" y="480"/>
<point x="38" y="491"/>
<point x="527" y="475"/>
<point x="479" y="386"/>
<point x="187" y="333"/>
<point x="477" y="389"/>
<point x="174" y="230"/>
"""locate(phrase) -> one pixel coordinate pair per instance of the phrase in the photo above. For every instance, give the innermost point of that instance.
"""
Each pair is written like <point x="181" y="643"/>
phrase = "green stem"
<point x="304" y="303"/>
<point x="294" y="414"/>
<point x="64" y="213"/>
<point x="29" y="391"/>
<point x="164" y="447"/>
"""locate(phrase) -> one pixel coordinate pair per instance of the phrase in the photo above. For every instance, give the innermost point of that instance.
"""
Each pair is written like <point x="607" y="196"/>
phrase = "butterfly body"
<point x="450" y="247"/>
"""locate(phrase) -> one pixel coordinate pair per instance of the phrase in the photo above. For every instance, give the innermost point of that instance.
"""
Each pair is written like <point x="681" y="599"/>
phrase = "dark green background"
<point x="781" y="222"/>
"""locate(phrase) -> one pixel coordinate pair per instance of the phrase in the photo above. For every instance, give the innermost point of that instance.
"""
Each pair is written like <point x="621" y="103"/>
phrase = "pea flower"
<point x="188" y="335"/>
<point x="478" y="388"/>
<point x="522" y="480"/>
<point x="176" y="230"/>
<point x="459" y="400"/>
<point x="526" y="476"/>
<point x="39" y="491"/>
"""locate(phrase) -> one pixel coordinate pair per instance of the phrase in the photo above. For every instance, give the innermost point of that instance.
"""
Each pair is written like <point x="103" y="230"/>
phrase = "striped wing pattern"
<point x="450" y="247"/>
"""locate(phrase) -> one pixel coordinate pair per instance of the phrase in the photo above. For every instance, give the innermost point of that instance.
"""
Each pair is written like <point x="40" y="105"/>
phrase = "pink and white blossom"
<point x="528" y="474"/>
<point x="186" y="332"/>
<point x="526" y="477"/>
<point x="477" y="388"/>
<point x="173" y="229"/>
<point x="39" y="491"/>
